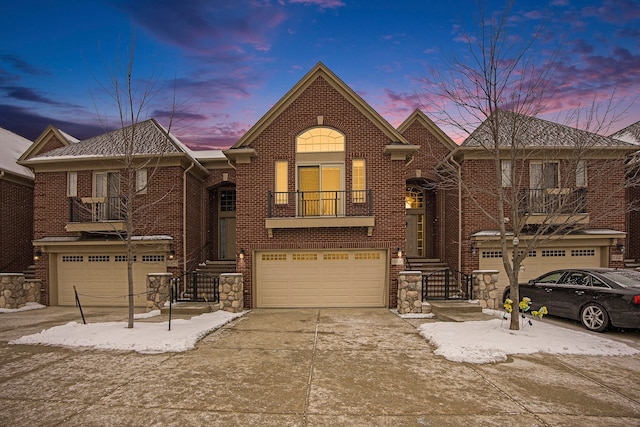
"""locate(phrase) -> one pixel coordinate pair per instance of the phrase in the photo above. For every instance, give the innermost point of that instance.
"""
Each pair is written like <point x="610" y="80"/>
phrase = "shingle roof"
<point x="149" y="138"/>
<point x="11" y="148"/>
<point x="630" y="134"/>
<point x="526" y="131"/>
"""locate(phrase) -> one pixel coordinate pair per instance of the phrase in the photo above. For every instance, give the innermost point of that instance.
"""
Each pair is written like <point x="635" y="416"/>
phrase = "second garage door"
<point x="333" y="278"/>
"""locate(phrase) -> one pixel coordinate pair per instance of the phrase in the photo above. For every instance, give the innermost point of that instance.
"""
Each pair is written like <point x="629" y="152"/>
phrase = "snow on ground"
<point x="26" y="307"/>
<point x="484" y="341"/>
<point x="144" y="337"/>
<point x="490" y="341"/>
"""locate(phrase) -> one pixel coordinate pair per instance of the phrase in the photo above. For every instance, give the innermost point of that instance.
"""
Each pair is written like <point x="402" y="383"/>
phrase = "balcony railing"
<point x="553" y="201"/>
<point x="301" y="204"/>
<point x="97" y="209"/>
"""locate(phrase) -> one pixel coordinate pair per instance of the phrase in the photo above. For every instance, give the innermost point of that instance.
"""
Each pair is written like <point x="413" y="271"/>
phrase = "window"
<point x="106" y="186"/>
<point x="544" y="175"/>
<point x="72" y="184"/>
<point x="507" y="173"/>
<point x="358" y="181"/>
<point x="282" y="182"/>
<point x="141" y="181"/>
<point x="320" y="165"/>
<point x="581" y="174"/>
<point x="320" y="140"/>
<point x="227" y="201"/>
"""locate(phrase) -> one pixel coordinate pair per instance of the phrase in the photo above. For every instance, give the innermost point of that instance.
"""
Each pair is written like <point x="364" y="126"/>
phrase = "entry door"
<point x="227" y="224"/>
<point x="415" y="235"/>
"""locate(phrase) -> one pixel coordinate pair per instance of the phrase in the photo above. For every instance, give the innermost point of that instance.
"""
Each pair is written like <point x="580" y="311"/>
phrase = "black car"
<point x="597" y="297"/>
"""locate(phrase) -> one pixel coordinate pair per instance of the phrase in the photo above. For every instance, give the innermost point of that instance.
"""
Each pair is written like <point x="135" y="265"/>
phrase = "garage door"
<point x="541" y="261"/>
<point x="101" y="279"/>
<point x="321" y="278"/>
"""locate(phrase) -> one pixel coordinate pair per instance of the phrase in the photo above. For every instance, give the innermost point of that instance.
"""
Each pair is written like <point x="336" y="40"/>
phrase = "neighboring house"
<point x="322" y="203"/>
<point x="566" y="179"/>
<point x="80" y="210"/>
<point x="631" y="134"/>
<point x="16" y="205"/>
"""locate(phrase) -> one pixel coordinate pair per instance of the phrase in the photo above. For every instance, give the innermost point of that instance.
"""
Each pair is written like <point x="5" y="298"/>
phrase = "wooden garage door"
<point x="101" y="279"/>
<point x="542" y="260"/>
<point x="321" y="278"/>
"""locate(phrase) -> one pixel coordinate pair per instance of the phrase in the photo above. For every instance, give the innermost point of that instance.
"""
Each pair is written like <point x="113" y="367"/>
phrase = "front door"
<point x="415" y="235"/>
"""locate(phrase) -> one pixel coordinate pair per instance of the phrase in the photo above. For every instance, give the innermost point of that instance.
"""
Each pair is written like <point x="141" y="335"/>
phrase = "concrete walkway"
<point x="303" y="367"/>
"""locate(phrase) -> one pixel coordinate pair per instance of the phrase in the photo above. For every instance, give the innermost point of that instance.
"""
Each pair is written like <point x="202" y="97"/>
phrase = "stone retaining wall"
<point x="158" y="288"/>
<point x="16" y="291"/>
<point x="409" y="289"/>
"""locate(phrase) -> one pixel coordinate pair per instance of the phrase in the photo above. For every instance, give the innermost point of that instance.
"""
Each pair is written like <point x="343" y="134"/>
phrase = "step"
<point x="192" y="308"/>
<point x="454" y="307"/>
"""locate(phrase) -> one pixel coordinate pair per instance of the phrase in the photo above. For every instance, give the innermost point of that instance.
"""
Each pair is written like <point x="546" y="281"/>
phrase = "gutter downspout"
<point x="184" y="216"/>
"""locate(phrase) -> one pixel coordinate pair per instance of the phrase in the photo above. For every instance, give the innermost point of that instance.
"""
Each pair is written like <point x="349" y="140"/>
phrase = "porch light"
<point x="473" y="248"/>
<point x="241" y="254"/>
<point x="399" y="252"/>
<point x="620" y="248"/>
<point x="172" y="254"/>
<point x="37" y="255"/>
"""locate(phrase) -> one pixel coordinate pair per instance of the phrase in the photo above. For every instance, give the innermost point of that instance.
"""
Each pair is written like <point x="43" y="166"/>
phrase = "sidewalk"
<point x="303" y="367"/>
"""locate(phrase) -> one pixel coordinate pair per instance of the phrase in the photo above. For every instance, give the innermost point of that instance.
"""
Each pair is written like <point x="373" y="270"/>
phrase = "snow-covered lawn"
<point x="144" y="337"/>
<point x="490" y="341"/>
<point x="28" y="306"/>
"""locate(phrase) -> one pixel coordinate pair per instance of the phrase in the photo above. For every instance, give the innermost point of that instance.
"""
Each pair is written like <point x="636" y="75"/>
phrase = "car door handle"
<point x="579" y="292"/>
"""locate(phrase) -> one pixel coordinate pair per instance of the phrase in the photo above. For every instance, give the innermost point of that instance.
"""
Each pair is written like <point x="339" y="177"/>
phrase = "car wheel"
<point x="594" y="317"/>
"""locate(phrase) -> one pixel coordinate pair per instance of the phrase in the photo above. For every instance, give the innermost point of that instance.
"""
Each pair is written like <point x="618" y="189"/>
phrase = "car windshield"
<point x="625" y="278"/>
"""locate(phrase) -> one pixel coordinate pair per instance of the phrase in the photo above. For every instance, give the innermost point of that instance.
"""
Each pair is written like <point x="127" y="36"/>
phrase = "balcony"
<point x="97" y="214"/>
<point x="554" y="205"/>
<point x="316" y="209"/>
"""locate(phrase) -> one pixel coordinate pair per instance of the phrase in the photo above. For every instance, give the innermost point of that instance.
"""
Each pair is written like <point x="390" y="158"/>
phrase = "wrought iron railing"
<point x="446" y="284"/>
<point x="196" y="286"/>
<point x="97" y="209"/>
<point x="553" y="201"/>
<point x="292" y="204"/>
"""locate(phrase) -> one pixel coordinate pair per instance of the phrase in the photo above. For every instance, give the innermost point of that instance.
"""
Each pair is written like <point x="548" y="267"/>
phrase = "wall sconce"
<point x="620" y="248"/>
<point x="37" y="255"/>
<point x="399" y="250"/>
<point x="473" y="248"/>
<point x="241" y="254"/>
<point x="172" y="254"/>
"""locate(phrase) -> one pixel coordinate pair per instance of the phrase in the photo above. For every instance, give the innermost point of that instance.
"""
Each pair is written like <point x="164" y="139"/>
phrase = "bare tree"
<point x="139" y="153"/>
<point x="491" y="95"/>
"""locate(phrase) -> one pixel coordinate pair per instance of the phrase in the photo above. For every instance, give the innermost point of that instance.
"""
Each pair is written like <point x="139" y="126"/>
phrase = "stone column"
<point x="485" y="289"/>
<point x="16" y="292"/>
<point x="158" y="286"/>
<point x="409" y="286"/>
<point x="231" y="292"/>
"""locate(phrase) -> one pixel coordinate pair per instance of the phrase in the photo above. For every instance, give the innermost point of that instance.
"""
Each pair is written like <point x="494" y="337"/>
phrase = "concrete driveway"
<point x="303" y="367"/>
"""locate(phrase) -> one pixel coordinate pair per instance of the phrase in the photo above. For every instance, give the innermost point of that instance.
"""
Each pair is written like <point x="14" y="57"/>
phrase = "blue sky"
<point x="228" y="62"/>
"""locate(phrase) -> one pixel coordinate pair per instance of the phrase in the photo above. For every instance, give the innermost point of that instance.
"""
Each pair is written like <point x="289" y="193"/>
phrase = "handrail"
<point x="335" y="203"/>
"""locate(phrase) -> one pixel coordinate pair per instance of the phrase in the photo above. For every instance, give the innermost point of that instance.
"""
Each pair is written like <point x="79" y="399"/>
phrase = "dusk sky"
<point x="227" y="62"/>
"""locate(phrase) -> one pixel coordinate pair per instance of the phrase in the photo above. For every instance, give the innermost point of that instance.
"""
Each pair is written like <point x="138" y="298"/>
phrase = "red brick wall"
<point x="277" y="142"/>
<point x="158" y="212"/>
<point x="16" y="223"/>
<point x="633" y="225"/>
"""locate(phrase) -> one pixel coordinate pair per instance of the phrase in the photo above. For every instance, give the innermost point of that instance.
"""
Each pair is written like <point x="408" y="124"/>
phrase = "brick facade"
<point x="16" y="223"/>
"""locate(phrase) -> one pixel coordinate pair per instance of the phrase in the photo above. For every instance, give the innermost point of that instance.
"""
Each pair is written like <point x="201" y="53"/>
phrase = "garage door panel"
<point x="101" y="280"/>
<point x="321" y="279"/>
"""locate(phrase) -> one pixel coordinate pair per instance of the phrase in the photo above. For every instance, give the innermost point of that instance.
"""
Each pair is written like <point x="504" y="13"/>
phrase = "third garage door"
<point x="331" y="278"/>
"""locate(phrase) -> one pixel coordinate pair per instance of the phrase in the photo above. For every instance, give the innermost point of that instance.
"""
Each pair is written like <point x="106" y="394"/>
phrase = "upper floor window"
<point x="282" y="182"/>
<point x="106" y="184"/>
<point x="507" y="173"/>
<point x="320" y="140"/>
<point x="358" y="181"/>
<point x="544" y="175"/>
<point x="72" y="184"/>
<point x="141" y="181"/>
<point x="581" y="174"/>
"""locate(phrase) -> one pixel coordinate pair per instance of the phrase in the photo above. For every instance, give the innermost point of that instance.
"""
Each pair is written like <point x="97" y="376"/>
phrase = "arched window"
<point x="320" y="140"/>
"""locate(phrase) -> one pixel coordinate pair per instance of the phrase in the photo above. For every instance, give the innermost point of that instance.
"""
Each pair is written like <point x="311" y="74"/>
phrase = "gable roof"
<point x="46" y="135"/>
<point x="419" y="117"/>
<point x="535" y="133"/>
<point x="630" y="134"/>
<point x="320" y="70"/>
<point x="12" y="146"/>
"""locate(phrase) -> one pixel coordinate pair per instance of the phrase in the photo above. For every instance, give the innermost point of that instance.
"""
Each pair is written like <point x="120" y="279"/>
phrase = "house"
<point x="322" y="203"/>
<point x="568" y="189"/>
<point x="81" y="210"/>
<point x="16" y="205"/>
<point x="631" y="134"/>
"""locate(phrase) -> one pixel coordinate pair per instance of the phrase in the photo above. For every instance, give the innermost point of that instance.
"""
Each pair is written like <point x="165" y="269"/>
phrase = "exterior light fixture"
<point x="620" y="248"/>
<point x="241" y="254"/>
<point x="399" y="252"/>
<point x="37" y="255"/>
<point x="473" y="248"/>
<point x="172" y="254"/>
